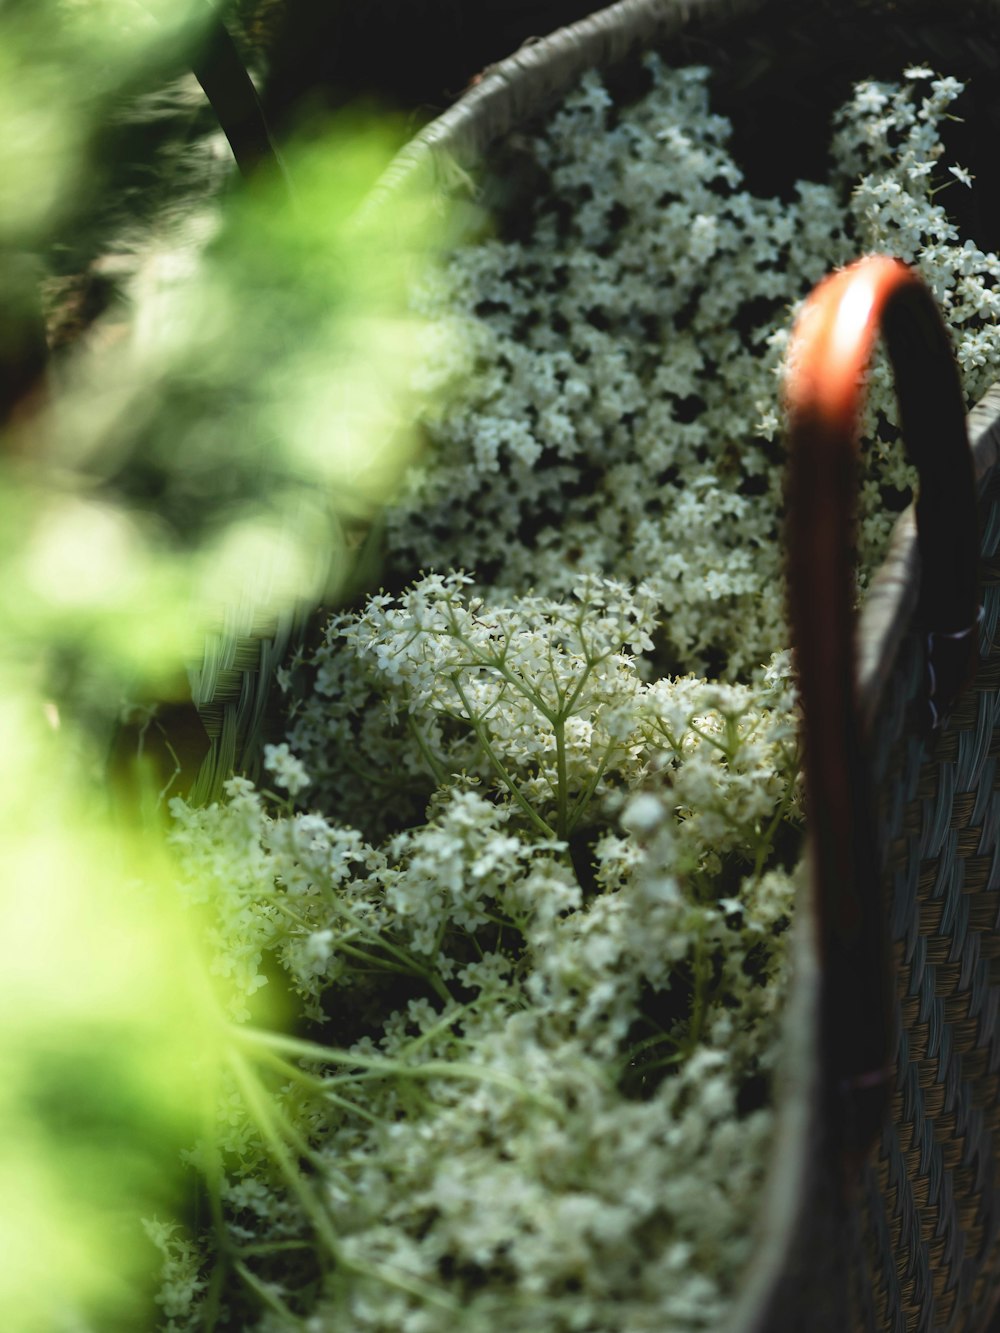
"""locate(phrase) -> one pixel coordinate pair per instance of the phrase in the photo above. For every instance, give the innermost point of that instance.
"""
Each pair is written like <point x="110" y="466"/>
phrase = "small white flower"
<point x="319" y="946"/>
<point x="643" y="815"/>
<point x="288" y="771"/>
<point x="870" y="97"/>
<point x="961" y="174"/>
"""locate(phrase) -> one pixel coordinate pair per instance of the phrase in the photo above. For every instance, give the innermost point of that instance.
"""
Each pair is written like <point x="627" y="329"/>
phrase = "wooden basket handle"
<point x="831" y="345"/>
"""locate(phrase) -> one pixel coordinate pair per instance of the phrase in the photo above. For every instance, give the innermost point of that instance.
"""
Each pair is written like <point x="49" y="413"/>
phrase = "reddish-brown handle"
<point x="831" y="346"/>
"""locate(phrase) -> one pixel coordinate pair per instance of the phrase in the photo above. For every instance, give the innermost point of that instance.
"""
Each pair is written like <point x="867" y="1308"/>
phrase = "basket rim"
<point x="537" y="74"/>
<point x="891" y="600"/>
<point x="542" y="70"/>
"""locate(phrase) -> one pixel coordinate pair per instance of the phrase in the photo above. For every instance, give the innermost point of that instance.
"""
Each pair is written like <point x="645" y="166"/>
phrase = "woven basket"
<point x="915" y="1243"/>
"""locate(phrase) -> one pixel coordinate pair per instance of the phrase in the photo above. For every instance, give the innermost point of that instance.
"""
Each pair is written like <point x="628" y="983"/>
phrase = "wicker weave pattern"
<point x="230" y="688"/>
<point x="932" y="1193"/>
<point x="517" y="89"/>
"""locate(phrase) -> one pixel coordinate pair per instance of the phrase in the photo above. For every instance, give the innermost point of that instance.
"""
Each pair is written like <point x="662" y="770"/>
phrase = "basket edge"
<point x="531" y="78"/>
<point x="892" y="598"/>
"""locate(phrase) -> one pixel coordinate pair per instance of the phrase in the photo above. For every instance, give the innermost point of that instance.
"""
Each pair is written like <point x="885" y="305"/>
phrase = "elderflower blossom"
<point x="289" y="772"/>
<point x="527" y="915"/>
<point x="536" y="910"/>
<point x="616" y="382"/>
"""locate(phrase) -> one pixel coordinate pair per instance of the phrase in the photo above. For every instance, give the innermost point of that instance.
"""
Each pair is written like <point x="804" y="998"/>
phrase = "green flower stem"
<point x="520" y="924"/>
<point x="647" y="1043"/>
<point x="260" y="1107"/>
<point x="659" y="731"/>
<point x="457" y="1070"/>
<point x="712" y="740"/>
<point x="405" y="963"/>
<point x="264" y="1247"/>
<point x="562" y="796"/>
<point x="667" y="1061"/>
<point x="440" y="776"/>
<point x="445" y="1022"/>
<point x="264" y="1292"/>
<point x="295" y="1137"/>
<point x="257" y="1103"/>
<point x="287" y="910"/>
<point x="498" y="766"/>
<point x="585" y="797"/>
<point x="568" y="704"/>
<point x="407" y="967"/>
<point x="212" y="1305"/>
<point x="315" y="1084"/>
<point x="384" y="1067"/>
<point x="700" y="997"/>
<point x="211" y="1165"/>
<point x="377" y="964"/>
<point x="439" y="935"/>
<point x="792" y="767"/>
<point x="499" y="665"/>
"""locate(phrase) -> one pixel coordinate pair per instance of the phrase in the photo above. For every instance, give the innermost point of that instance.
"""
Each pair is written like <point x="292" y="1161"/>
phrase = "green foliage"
<point x="219" y="414"/>
<point x="219" y="450"/>
<point x="62" y="64"/>
<point x="108" y="1043"/>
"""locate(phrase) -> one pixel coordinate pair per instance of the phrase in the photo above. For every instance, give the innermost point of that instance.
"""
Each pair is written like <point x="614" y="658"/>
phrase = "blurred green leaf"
<point x="108" y="1044"/>
<point x="210" y="448"/>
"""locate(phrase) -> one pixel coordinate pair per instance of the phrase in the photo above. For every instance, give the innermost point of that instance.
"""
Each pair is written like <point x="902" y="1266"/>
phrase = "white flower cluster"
<point x="615" y="377"/>
<point x="535" y="914"/>
<point x="181" y="1283"/>
<point x="527" y="1000"/>
<point x="288" y="771"/>
<point x="536" y="688"/>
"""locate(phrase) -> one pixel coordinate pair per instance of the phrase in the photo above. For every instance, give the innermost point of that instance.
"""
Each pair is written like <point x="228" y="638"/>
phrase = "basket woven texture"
<point x="920" y="1246"/>
<point x="930" y="1214"/>
<point x="231" y="688"/>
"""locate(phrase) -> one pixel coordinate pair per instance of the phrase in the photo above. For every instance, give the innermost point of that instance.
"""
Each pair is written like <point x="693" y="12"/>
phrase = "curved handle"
<point x="831" y="345"/>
